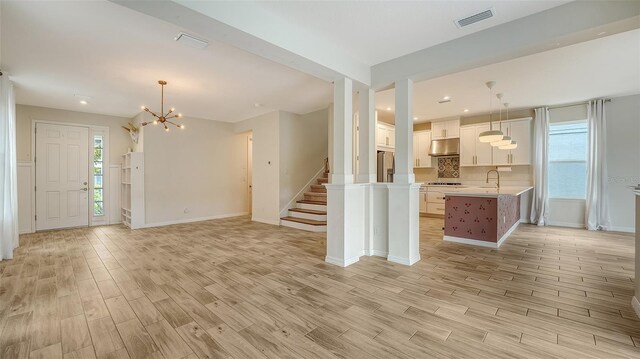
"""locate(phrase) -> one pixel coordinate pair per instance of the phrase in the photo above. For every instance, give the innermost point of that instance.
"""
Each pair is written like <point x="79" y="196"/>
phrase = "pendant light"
<point x="506" y="139"/>
<point x="511" y="144"/>
<point x="491" y="135"/>
<point x="499" y="142"/>
<point x="163" y="118"/>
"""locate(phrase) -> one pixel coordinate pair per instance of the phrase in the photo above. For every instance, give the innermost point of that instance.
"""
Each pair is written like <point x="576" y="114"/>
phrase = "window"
<point x="568" y="160"/>
<point x="98" y="175"/>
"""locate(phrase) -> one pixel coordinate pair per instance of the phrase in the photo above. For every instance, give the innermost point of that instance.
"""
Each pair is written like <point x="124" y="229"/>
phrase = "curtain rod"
<point x="575" y="104"/>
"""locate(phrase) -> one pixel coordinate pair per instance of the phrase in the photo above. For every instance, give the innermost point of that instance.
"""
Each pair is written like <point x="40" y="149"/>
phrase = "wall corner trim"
<point x="636" y="305"/>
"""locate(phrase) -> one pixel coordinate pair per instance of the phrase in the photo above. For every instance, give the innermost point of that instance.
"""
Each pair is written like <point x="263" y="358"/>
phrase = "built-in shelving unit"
<point x="132" y="211"/>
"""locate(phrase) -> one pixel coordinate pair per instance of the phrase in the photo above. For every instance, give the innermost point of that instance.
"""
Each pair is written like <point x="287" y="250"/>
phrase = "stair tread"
<point x="311" y="202"/>
<point x="305" y="221"/>
<point x="322" y="194"/>
<point x="308" y="211"/>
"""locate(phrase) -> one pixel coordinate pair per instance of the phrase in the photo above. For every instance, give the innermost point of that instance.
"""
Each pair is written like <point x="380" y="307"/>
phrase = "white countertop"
<point x="472" y="191"/>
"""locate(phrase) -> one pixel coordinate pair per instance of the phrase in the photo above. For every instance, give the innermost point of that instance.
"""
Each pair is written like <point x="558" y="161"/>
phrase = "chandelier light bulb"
<point x="173" y="109"/>
<point x="182" y="127"/>
<point x="166" y="128"/>
<point x="143" y="107"/>
<point x="155" y="122"/>
<point x="179" y="115"/>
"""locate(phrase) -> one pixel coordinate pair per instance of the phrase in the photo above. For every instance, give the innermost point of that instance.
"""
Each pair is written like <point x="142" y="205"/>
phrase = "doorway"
<point x="62" y="176"/>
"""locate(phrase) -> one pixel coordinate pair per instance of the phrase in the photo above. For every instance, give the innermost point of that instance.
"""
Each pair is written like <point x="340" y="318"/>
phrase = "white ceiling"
<point x="605" y="67"/>
<point x="377" y="31"/>
<point x="54" y="50"/>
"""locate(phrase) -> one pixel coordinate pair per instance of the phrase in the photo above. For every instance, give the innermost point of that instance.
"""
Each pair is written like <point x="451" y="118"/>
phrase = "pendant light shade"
<point x="491" y="135"/>
<point x="511" y="146"/>
<point x="505" y="141"/>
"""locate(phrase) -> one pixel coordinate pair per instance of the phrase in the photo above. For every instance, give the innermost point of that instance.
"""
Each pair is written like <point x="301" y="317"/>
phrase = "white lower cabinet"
<point x="435" y="199"/>
<point x="423" y="201"/>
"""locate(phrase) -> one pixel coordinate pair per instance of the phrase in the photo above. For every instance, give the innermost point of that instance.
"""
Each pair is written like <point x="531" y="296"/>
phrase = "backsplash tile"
<point x="448" y="167"/>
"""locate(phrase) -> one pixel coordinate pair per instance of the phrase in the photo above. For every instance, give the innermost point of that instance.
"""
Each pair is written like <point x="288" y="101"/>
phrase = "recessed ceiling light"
<point x="388" y="108"/>
<point x="256" y="105"/>
<point x="446" y="98"/>
<point x="83" y="102"/>
<point x="466" y="110"/>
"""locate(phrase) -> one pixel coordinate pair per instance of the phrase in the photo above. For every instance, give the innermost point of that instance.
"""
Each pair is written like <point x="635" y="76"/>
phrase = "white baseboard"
<point x="476" y="242"/>
<point x="341" y="263"/>
<point x="636" y="305"/>
<point x="191" y="220"/>
<point x="402" y="260"/>
<point x="623" y="229"/>
<point x="565" y="224"/>
<point x="378" y="253"/>
<point x="267" y="221"/>
<point x="472" y="242"/>
<point x="303" y="226"/>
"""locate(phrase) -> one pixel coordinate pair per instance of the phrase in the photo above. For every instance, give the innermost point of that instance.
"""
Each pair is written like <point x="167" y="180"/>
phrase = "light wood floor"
<point x="232" y="288"/>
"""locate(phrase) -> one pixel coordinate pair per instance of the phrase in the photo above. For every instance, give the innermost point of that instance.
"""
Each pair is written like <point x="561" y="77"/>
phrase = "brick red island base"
<point x="481" y="221"/>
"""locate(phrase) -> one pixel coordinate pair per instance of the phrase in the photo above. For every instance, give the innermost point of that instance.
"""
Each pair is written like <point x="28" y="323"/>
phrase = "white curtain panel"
<point x="8" y="170"/>
<point x="597" y="209"/>
<point x="540" y="201"/>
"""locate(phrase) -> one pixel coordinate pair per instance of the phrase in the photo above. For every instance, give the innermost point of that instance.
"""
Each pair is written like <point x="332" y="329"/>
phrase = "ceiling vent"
<point x="466" y="21"/>
<point x="191" y="41"/>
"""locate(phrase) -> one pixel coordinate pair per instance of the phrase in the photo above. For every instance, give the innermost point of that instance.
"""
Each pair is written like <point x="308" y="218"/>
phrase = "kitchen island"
<point x="482" y="216"/>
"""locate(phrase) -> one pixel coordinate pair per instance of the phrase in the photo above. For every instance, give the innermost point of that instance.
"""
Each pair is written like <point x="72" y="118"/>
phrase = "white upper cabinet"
<point x="472" y="151"/>
<point x="421" y="145"/>
<point x="385" y="136"/>
<point x="520" y="131"/>
<point x="445" y="129"/>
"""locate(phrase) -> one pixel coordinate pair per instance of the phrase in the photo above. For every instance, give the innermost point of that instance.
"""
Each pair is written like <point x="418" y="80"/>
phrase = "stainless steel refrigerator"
<point x="386" y="166"/>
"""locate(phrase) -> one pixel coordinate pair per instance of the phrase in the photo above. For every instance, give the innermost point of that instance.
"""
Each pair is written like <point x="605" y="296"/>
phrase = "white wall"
<point x="193" y="174"/>
<point x="119" y="140"/>
<point x="266" y="173"/>
<point x="303" y="149"/>
<point x="623" y="159"/>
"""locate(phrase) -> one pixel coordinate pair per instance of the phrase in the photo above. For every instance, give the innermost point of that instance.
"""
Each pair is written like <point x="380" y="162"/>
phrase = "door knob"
<point x="84" y="189"/>
<point x="84" y="183"/>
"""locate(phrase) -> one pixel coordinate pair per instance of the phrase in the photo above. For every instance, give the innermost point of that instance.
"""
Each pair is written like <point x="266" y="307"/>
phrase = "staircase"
<point x="310" y="213"/>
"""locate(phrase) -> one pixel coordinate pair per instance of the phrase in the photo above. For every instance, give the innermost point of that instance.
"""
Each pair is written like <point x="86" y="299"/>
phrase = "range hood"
<point x="445" y="147"/>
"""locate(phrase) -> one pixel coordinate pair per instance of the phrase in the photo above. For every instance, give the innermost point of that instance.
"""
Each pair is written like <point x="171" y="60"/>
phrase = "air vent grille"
<point x="191" y="41"/>
<point x="475" y="18"/>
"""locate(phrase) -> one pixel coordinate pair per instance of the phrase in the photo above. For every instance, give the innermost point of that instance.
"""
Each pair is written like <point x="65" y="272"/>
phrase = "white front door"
<point x="62" y="175"/>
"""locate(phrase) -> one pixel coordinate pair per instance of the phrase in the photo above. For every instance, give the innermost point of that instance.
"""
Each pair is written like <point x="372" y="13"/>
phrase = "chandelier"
<point x="163" y="119"/>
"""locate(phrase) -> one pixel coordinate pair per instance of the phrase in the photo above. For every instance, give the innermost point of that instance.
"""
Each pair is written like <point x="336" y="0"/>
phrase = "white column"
<point x="404" y="225"/>
<point x="367" y="140"/>
<point x="345" y="200"/>
<point x="342" y="132"/>
<point x="404" y="133"/>
<point x="367" y="162"/>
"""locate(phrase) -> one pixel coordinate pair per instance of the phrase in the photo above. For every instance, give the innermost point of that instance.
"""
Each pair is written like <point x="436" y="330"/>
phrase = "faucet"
<point x="498" y="178"/>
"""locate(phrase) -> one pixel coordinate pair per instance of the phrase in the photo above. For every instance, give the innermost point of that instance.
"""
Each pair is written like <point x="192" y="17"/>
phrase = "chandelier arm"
<point x="168" y="113"/>
<point x="175" y="124"/>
